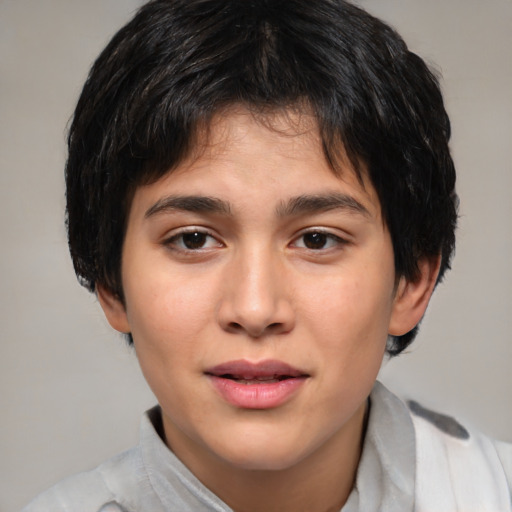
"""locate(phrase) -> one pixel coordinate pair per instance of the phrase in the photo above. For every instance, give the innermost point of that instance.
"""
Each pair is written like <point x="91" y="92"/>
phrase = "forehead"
<point x="286" y="132"/>
<point x="279" y="153"/>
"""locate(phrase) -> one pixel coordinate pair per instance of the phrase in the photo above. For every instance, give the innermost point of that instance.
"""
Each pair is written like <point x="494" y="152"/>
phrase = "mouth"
<point x="250" y="380"/>
<point x="252" y="373"/>
<point x="263" y="385"/>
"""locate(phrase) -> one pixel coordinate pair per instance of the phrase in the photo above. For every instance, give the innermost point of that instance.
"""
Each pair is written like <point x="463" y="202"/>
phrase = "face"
<point x="259" y="289"/>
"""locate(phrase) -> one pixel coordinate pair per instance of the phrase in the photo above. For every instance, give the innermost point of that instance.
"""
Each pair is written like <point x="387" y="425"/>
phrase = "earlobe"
<point x="412" y="297"/>
<point x="114" y="309"/>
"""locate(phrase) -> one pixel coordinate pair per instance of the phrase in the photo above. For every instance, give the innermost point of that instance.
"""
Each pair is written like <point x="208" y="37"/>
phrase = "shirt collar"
<point x="386" y="475"/>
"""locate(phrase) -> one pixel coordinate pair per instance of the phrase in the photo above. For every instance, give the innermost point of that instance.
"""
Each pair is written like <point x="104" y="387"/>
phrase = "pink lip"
<point x="263" y="385"/>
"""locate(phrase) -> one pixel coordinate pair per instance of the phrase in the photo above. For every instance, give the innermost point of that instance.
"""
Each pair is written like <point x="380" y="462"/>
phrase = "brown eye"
<point x="315" y="240"/>
<point x="318" y="241"/>
<point x="194" y="240"/>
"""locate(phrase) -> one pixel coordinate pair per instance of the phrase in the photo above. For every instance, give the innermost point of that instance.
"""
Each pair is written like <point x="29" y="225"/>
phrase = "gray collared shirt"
<point x="150" y="477"/>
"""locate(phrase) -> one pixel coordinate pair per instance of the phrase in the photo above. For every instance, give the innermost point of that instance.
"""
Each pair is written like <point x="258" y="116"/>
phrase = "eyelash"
<point x="176" y="241"/>
<point x="327" y="236"/>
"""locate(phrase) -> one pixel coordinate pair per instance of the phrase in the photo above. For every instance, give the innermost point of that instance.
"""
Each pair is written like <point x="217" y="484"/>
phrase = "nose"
<point x="255" y="300"/>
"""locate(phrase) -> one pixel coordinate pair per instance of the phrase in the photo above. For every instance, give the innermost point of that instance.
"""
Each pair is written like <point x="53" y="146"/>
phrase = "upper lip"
<point x="244" y="369"/>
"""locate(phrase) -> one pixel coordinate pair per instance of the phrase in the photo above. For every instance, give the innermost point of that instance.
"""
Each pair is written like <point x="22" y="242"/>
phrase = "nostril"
<point x="254" y="330"/>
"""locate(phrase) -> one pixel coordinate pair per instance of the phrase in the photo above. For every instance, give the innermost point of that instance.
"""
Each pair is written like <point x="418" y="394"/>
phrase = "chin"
<point x="263" y="461"/>
<point x="248" y="453"/>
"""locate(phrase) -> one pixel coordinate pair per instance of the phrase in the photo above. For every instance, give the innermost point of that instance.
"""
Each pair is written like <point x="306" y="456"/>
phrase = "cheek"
<point x="168" y="318"/>
<point x="349" y="319"/>
<point x="350" y="307"/>
<point x="169" y="307"/>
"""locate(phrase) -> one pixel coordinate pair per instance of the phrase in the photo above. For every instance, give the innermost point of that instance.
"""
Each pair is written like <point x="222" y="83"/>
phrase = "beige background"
<point x="71" y="391"/>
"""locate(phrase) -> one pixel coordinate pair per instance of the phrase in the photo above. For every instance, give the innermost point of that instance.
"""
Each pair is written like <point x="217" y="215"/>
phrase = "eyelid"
<point x="174" y="234"/>
<point x="340" y="239"/>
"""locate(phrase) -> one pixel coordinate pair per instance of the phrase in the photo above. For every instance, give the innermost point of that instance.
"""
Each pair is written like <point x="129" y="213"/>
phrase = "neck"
<point x="321" y="482"/>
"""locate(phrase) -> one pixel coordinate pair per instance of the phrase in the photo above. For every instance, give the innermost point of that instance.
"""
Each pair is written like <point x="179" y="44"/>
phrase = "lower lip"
<point x="264" y="395"/>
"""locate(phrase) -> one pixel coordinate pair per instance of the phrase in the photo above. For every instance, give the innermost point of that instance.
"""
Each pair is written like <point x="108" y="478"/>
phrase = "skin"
<point x="313" y="287"/>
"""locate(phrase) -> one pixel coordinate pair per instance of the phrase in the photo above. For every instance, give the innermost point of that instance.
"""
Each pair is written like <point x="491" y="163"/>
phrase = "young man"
<point x="262" y="197"/>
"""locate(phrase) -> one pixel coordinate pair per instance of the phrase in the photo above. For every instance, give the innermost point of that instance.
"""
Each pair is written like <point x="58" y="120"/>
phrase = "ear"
<point x="113" y="308"/>
<point x="412" y="297"/>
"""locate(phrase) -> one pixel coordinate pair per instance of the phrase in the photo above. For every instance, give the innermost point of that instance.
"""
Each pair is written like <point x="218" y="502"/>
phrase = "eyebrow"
<point x="305" y="204"/>
<point x="196" y="204"/>
<point x="300" y="205"/>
